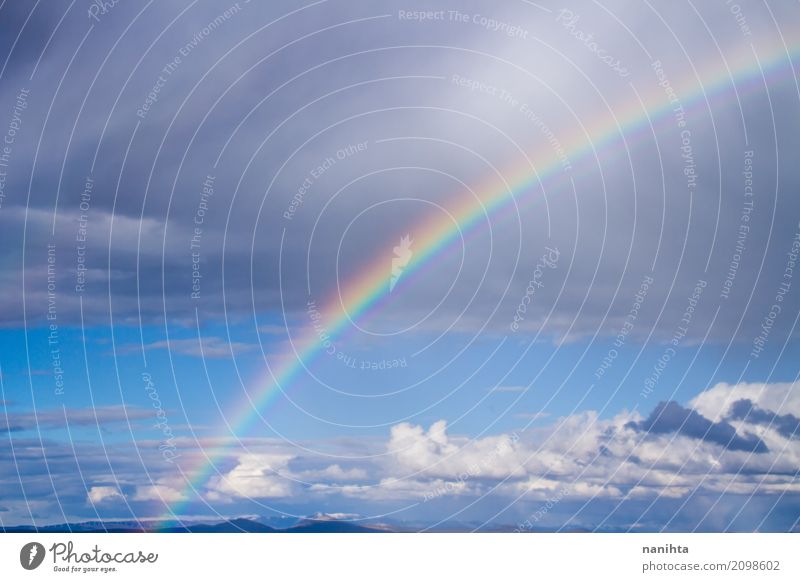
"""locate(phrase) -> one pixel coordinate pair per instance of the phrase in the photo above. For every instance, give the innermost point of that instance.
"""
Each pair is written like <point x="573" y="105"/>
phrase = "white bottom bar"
<point x="355" y="557"/>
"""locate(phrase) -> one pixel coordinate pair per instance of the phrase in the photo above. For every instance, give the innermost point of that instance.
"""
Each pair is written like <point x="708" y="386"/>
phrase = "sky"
<point x="522" y="266"/>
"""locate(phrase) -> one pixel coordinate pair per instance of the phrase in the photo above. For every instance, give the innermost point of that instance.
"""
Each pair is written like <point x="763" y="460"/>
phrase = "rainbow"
<point x="437" y="233"/>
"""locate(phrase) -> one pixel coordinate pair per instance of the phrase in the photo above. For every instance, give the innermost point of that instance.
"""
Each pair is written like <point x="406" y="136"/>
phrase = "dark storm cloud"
<point x="670" y="417"/>
<point x="611" y="230"/>
<point x="25" y="27"/>
<point x="787" y="425"/>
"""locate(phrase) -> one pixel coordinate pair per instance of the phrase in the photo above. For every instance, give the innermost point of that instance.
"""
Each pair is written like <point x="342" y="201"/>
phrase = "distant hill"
<point x="317" y="523"/>
<point x="232" y="526"/>
<point x="332" y="527"/>
<point x="240" y="525"/>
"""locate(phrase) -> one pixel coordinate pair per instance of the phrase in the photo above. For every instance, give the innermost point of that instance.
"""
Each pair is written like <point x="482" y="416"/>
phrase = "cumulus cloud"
<point x="255" y="476"/>
<point x="671" y="417"/>
<point x="575" y="458"/>
<point x="167" y="490"/>
<point x="434" y="452"/>
<point x="715" y="402"/>
<point x="787" y="425"/>
<point x="673" y="451"/>
<point x="104" y="493"/>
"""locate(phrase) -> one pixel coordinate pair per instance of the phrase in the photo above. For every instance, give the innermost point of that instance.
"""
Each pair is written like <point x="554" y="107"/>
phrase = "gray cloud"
<point x="787" y="425"/>
<point x="671" y="417"/>
<point x="634" y="223"/>
<point x="56" y="418"/>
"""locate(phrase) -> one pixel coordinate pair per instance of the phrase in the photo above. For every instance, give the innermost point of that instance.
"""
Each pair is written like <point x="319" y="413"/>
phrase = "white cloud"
<point x="103" y="493"/>
<point x="584" y="456"/>
<point x="256" y="476"/>
<point x="580" y="456"/>
<point x="782" y="398"/>
<point x="167" y="490"/>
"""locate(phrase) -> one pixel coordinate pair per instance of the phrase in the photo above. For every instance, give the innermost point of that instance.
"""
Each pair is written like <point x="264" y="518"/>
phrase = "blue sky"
<point x="648" y="384"/>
